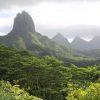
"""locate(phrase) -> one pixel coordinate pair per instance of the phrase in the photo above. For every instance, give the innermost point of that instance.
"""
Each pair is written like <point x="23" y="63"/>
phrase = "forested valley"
<point x="45" y="77"/>
<point x="36" y="67"/>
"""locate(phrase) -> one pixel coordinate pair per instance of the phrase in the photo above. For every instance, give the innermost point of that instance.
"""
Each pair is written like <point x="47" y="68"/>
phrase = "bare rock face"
<point x="23" y="23"/>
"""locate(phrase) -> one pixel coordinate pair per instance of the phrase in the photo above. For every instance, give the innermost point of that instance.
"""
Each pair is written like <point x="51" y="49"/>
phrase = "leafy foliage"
<point x="9" y="92"/>
<point x="90" y="93"/>
<point x="45" y="77"/>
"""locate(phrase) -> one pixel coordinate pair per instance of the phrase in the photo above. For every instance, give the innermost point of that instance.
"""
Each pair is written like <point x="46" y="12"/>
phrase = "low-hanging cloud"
<point x="50" y="20"/>
<point x="10" y="3"/>
<point x="85" y="31"/>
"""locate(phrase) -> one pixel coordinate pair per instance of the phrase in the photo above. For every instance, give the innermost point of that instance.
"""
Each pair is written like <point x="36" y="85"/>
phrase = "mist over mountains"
<point x="78" y="42"/>
<point x="24" y="36"/>
<point x="38" y="60"/>
<point x="84" y="31"/>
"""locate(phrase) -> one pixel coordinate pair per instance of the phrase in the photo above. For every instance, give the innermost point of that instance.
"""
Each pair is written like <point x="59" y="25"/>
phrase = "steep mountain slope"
<point x="61" y="40"/>
<point x="79" y="43"/>
<point x="24" y="36"/>
<point x="23" y="25"/>
<point x="86" y="31"/>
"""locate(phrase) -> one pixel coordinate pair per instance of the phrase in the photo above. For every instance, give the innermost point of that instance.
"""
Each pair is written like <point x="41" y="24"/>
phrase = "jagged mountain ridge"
<point x="84" y="45"/>
<point x="23" y="20"/>
<point x="79" y="43"/>
<point x="22" y="27"/>
<point x="87" y="32"/>
<point x="24" y="36"/>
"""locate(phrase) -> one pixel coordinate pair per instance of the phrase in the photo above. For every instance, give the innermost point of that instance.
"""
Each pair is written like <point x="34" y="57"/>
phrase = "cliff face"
<point x="24" y="36"/>
<point x="23" y="23"/>
<point x="20" y="35"/>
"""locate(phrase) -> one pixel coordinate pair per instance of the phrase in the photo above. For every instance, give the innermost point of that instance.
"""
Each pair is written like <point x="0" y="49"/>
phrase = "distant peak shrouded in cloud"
<point x="85" y="31"/>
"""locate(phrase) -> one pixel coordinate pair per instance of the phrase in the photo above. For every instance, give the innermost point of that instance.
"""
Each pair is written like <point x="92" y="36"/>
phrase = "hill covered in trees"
<point x="9" y="92"/>
<point x="43" y="68"/>
<point x="44" y="77"/>
<point x="23" y="36"/>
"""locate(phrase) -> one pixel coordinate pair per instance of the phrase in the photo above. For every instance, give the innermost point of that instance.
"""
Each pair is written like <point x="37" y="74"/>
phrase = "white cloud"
<point x="2" y="34"/>
<point x="61" y="15"/>
<point x="19" y="3"/>
<point x="6" y="21"/>
<point x="50" y="17"/>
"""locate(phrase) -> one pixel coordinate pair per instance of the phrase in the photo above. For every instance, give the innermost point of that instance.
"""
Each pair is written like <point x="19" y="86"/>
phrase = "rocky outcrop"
<point x="23" y="23"/>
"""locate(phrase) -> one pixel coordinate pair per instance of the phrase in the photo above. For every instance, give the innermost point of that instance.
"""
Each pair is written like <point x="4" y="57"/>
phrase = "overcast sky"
<point x="53" y="16"/>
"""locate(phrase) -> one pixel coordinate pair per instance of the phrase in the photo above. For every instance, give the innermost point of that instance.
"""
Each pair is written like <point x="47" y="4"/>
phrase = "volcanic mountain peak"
<point x="23" y="23"/>
<point x="60" y="39"/>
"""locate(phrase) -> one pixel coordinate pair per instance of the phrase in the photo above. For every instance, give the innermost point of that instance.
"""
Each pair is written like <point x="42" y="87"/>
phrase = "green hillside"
<point x="24" y="37"/>
<point x="45" y="77"/>
<point x="33" y="66"/>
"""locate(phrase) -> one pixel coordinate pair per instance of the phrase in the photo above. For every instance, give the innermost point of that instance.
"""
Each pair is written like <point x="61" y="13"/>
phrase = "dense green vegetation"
<point x="41" y="46"/>
<point x="90" y="93"/>
<point x="54" y="72"/>
<point x="47" y="77"/>
<point x="9" y="92"/>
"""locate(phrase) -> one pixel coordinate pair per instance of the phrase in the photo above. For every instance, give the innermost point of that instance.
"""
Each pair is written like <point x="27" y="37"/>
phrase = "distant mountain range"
<point x="78" y="43"/>
<point x="24" y="36"/>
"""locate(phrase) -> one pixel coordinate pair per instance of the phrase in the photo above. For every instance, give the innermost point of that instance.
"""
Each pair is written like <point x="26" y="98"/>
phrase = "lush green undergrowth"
<point x="90" y="93"/>
<point x="9" y="92"/>
<point x="45" y="77"/>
